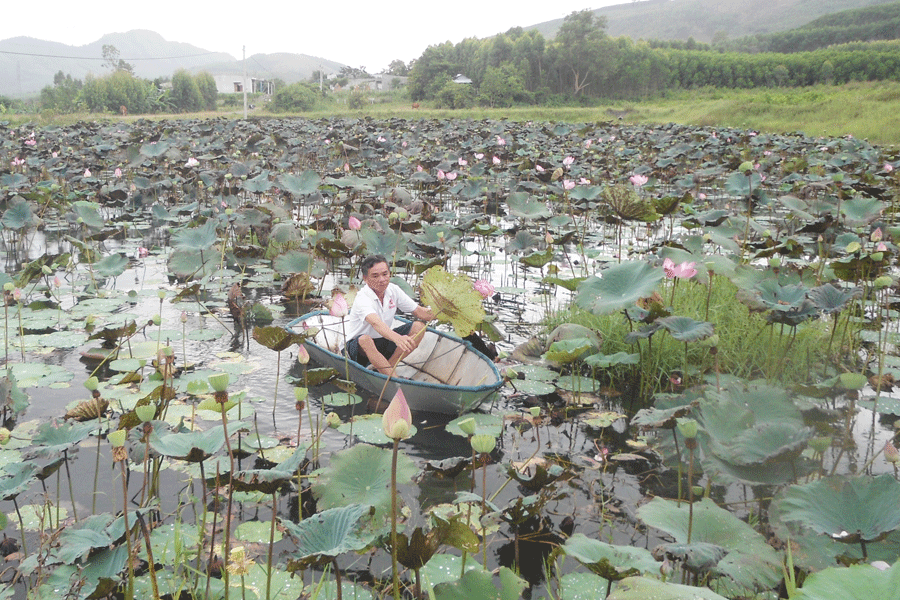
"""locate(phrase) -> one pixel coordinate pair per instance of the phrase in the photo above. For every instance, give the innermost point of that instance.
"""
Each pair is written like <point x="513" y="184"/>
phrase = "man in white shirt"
<point x="373" y="339"/>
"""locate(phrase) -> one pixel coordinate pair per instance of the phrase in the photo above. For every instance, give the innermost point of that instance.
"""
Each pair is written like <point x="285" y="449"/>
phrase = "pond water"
<point x="606" y="445"/>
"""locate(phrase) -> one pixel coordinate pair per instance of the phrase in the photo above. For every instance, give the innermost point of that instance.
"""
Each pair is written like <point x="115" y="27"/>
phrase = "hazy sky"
<point x="354" y="32"/>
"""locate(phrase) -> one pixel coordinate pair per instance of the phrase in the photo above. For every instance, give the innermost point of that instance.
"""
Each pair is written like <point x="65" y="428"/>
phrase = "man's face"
<point x="378" y="277"/>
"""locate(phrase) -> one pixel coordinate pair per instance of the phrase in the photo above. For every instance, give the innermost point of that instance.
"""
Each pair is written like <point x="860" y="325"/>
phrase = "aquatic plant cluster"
<point x="712" y="411"/>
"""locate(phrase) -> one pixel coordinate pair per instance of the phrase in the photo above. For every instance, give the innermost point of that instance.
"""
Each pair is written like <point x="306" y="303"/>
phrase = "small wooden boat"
<point x="445" y="374"/>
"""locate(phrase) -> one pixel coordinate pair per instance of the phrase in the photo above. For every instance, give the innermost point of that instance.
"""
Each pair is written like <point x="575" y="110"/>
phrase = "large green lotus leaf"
<point x="192" y="263"/>
<point x="349" y="590"/>
<point x="258" y="184"/>
<point x="367" y="428"/>
<point x="775" y="296"/>
<point x="298" y="261"/>
<point x="645" y="588"/>
<point x="751" y="424"/>
<point x="522" y="204"/>
<point x="39" y="375"/>
<point x="331" y="532"/>
<point x="196" y="238"/>
<point x="829" y="298"/>
<point x="306" y="183"/>
<point x="276" y="338"/>
<point x="861" y="210"/>
<point x="452" y="299"/>
<point x="846" y="508"/>
<point x="858" y="582"/>
<point x="750" y="562"/>
<point x="192" y="446"/>
<point x="582" y="586"/>
<point x="17" y="478"/>
<point x="479" y="585"/>
<point x="603" y="361"/>
<point x="362" y="474"/>
<point x="18" y="216"/>
<point x="388" y="243"/>
<point x="54" y="436"/>
<point x="568" y="351"/>
<point x="112" y="265"/>
<point x="154" y="149"/>
<point x="686" y="329"/>
<point x="89" y="213"/>
<point x="609" y="561"/>
<point x="618" y="287"/>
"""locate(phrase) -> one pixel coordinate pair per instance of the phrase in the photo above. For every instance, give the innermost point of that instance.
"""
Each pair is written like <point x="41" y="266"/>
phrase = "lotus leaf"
<point x="609" y="561"/>
<point x="367" y="428"/>
<point x="686" y="329"/>
<point x="196" y="238"/>
<point x="645" y="588"/>
<point x="452" y="299"/>
<point x="603" y="361"/>
<point x="618" y="287"/>
<point x="192" y="446"/>
<point x="857" y="582"/>
<point x="846" y="508"/>
<point x="112" y="265"/>
<point x="479" y="585"/>
<point x="485" y="424"/>
<point x="750" y="561"/>
<point x="362" y="474"/>
<point x="521" y="204"/>
<point x="582" y="586"/>
<point x="331" y="532"/>
<point x="304" y="184"/>
<point x="19" y="215"/>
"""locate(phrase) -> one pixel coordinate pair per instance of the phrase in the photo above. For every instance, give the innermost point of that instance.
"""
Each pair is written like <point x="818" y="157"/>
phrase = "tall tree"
<point x="113" y="61"/>
<point x="586" y="54"/>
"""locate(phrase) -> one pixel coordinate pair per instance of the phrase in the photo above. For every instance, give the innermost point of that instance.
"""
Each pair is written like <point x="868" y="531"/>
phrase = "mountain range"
<point x="28" y="64"/>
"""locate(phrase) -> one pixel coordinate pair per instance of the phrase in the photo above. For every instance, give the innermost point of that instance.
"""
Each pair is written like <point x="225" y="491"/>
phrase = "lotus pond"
<point x="698" y="328"/>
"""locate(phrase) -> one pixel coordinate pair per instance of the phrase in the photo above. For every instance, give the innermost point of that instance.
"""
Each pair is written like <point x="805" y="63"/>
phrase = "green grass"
<point x="863" y="110"/>
<point x="748" y="347"/>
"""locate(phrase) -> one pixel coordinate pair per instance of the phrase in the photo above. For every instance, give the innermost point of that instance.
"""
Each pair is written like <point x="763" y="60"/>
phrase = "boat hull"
<point x="445" y="374"/>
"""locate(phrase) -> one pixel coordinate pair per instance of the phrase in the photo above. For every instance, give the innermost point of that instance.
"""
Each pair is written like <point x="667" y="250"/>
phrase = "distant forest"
<point x="582" y="63"/>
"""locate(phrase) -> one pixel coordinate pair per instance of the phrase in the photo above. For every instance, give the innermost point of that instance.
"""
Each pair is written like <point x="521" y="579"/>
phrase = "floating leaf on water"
<point x="341" y="399"/>
<point x="485" y="424"/>
<point x="369" y="429"/>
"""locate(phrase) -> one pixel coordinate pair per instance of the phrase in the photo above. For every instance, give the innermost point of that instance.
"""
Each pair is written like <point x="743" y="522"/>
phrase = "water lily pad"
<point x="341" y="399"/>
<point x="488" y="424"/>
<point x="618" y="287"/>
<point x="368" y="429"/>
<point x="39" y="374"/>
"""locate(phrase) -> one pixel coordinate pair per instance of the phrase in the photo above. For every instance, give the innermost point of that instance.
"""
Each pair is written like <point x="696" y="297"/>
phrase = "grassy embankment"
<point x="863" y="110"/>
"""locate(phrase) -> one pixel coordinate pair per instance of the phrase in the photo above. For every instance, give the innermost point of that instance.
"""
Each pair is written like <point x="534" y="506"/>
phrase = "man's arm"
<point x="423" y="313"/>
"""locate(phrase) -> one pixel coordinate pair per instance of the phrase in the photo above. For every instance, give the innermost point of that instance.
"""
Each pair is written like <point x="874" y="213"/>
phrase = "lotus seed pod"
<point x="775" y="262"/>
<point x="157" y="319"/>
<point x="467" y="426"/>
<point x="146" y="412"/>
<point x="333" y="420"/>
<point x="9" y="286"/>
<point x="117" y="438"/>
<point x="535" y="411"/>
<point x="402" y="213"/>
<point x="483" y="443"/>
<point x="301" y="393"/>
<point x="4" y="436"/>
<point x="219" y="382"/>
<point x="883" y="282"/>
<point x="92" y="383"/>
<point x="688" y="428"/>
<point x="746" y="167"/>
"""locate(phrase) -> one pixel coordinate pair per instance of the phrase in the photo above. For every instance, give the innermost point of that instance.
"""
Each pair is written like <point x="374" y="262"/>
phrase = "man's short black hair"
<point x="369" y="262"/>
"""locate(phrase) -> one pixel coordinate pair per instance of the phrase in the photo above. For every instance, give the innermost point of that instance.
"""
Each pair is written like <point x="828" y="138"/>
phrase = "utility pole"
<point x="244" y="84"/>
<point x="321" y="77"/>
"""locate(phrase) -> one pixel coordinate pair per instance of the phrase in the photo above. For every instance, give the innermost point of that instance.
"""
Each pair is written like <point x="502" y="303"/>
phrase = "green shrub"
<point x="358" y="99"/>
<point x="295" y="97"/>
<point x="455" y="95"/>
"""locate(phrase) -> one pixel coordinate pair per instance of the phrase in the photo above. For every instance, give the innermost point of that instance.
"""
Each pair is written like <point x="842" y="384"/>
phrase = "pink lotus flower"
<point x="54" y="154"/>
<point x="567" y="161"/>
<point x="568" y="184"/>
<point x="584" y="181"/>
<point x="302" y="355"/>
<point x="381" y="138"/>
<point x="587" y="143"/>
<point x="888" y="167"/>
<point x="57" y="282"/>
<point x="87" y="172"/>
<point x="418" y="168"/>
<point x="397" y="419"/>
<point x="881" y="247"/>
<point x="496" y="160"/>
<point x="539" y="168"/>
<point x="891" y="454"/>
<point x="192" y="162"/>
<point x="441" y="174"/>
<point x="877" y="235"/>
<point x="479" y="156"/>
<point x="346" y="167"/>
<point x="685" y="270"/>
<point x="484" y="287"/>
<point x="339" y="306"/>
<point x="463" y="162"/>
<point x="117" y="173"/>
<point x="500" y="141"/>
<point x="354" y="223"/>
<point x="143" y="252"/>
<point x="451" y="176"/>
<point x="30" y="142"/>
<point x="638" y="180"/>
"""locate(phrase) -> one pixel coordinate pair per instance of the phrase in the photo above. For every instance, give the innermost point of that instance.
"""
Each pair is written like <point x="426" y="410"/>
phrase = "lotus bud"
<point x="483" y="443"/>
<point x="688" y="428"/>
<point x="4" y="436"/>
<point x="91" y="383"/>
<point x="219" y="382"/>
<point x="332" y="419"/>
<point x="302" y="355"/>
<point x="548" y="237"/>
<point x="775" y="262"/>
<point x="881" y="247"/>
<point x="146" y="412"/>
<point x="89" y="320"/>
<point x="183" y="317"/>
<point x="397" y="419"/>
<point x="467" y="426"/>
<point x="339" y="306"/>
<point x="877" y="235"/>
<point x="402" y="213"/>
<point x="891" y="454"/>
<point x="117" y="437"/>
<point x="883" y="282"/>
<point x="535" y="411"/>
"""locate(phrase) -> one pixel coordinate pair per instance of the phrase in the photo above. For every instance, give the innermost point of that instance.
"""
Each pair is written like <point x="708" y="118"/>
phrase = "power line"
<point x="103" y="59"/>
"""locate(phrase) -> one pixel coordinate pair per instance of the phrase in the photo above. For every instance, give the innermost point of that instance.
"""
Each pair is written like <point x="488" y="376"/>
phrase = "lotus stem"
<point x="691" y="443"/>
<point x="129" y="590"/>
<point x="151" y="563"/>
<point x="394" y="567"/>
<point x="271" y="544"/>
